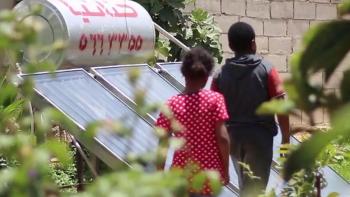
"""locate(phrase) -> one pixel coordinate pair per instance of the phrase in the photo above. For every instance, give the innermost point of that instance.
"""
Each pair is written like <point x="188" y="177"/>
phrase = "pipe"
<point x="171" y="37"/>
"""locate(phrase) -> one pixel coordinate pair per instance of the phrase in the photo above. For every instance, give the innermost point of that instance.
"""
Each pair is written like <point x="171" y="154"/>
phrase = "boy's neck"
<point x="244" y="53"/>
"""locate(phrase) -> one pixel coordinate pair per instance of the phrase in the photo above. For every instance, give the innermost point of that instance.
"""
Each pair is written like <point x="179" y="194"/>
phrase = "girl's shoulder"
<point x="174" y="99"/>
<point x="211" y="94"/>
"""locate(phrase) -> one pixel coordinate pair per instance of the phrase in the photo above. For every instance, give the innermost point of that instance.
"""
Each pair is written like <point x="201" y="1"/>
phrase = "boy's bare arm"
<point x="283" y="121"/>
<point x="284" y="125"/>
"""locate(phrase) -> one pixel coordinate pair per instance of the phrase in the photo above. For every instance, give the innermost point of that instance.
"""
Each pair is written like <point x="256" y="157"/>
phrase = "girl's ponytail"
<point x="197" y="64"/>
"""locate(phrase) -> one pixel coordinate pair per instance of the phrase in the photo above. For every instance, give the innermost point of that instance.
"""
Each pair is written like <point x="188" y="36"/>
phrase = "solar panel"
<point x="81" y="98"/>
<point x="158" y="90"/>
<point x="174" y="70"/>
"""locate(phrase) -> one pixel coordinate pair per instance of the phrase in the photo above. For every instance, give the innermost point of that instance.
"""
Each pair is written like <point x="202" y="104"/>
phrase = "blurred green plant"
<point x="25" y="158"/>
<point x="136" y="182"/>
<point x="196" y="29"/>
<point x="64" y="176"/>
<point x="325" y="46"/>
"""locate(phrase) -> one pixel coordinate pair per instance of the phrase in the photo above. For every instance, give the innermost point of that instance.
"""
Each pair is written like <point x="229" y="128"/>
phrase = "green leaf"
<point x="140" y="98"/>
<point x="163" y="48"/>
<point x="164" y="51"/>
<point x="8" y="95"/>
<point x="199" y="15"/>
<point x="6" y="176"/>
<point x="270" y="193"/>
<point x="344" y="8"/>
<point x="155" y="7"/>
<point x="55" y="116"/>
<point x="345" y="86"/>
<point x="189" y="1"/>
<point x="134" y="75"/>
<point x="333" y="194"/>
<point x="177" y="3"/>
<point x="198" y="181"/>
<point x="214" y="181"/>
<point x="91" y="130"/>
<point x="305" y="155"/>
<point x="327" y="44"/>
<point x="276" y="106"/>
<point x="298" y="88"/>
<point x="167" y="15"/>
<point x="35" y="66"/>
<point x="7" y="15"/>
<point x="15" y="108"/>
<point x="26" y="87"/>
<point x="59" y="150"/>
<point x="176" y="143"/>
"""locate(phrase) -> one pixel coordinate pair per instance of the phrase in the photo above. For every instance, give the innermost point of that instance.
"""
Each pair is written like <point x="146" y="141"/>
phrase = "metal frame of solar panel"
<point x="337" y="180"/>
<point x="82" y="99"/>
<point x="168" y="71"/>
<point x="178" y="81"/>
<point x="115" y="78"/>
<point x="119" y="85"/>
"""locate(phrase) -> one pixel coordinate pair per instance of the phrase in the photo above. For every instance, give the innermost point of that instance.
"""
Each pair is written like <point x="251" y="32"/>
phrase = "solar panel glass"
<point x="84" y="100"/>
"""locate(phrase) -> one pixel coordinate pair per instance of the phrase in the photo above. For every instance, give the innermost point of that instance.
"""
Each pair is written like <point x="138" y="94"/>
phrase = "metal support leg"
<point x="94" y="161"/>
<point x="80" y="170"/>
<point x="318" y="184"/>
<point x="84" y="157"/>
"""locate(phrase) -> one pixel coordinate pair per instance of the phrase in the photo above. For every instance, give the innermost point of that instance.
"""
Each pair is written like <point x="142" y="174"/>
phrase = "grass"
<point x="64" y="177"/>
<point x="343" y="169"/>
<point x="343" y="166"/>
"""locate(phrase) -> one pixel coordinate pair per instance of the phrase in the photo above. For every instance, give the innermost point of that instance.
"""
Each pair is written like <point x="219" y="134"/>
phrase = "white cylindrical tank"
<point x="98" y="32"/>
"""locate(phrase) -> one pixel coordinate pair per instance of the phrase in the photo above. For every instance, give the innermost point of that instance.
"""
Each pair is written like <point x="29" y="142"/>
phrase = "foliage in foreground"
<point x="25" y="158"/>
<point x="325" y="46"/>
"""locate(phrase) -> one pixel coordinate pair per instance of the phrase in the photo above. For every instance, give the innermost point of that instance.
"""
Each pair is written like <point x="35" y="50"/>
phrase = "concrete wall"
<point x="279" y="26"/>
<point x="6" y="4"/>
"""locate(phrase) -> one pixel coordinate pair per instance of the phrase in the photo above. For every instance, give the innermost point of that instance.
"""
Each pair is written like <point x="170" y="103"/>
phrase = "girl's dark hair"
<point x="197" y="64"/>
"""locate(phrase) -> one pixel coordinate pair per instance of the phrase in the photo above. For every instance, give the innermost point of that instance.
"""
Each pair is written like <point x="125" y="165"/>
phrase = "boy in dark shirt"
<point x="246" y="81"/>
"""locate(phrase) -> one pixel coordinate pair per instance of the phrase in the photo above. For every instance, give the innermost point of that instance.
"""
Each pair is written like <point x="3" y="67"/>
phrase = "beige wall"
<point x="279" y="26"/>
<point x="6" y="4"/>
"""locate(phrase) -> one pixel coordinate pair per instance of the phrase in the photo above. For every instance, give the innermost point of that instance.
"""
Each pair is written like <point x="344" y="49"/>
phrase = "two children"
<point x="202" y="114"/>
<point x="245" y="82"/>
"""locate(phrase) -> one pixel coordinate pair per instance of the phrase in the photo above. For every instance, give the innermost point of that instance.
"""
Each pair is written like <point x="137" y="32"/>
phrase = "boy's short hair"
<point x="197" y="64"/>
<point x="240" y="36"/>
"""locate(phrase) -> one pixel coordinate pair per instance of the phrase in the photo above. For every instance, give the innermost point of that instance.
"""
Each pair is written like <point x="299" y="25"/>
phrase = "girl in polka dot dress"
<point x="201" y="114"/>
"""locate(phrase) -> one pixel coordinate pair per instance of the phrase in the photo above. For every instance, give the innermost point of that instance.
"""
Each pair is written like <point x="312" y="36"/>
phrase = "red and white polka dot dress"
<point x="198" y="113"/>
